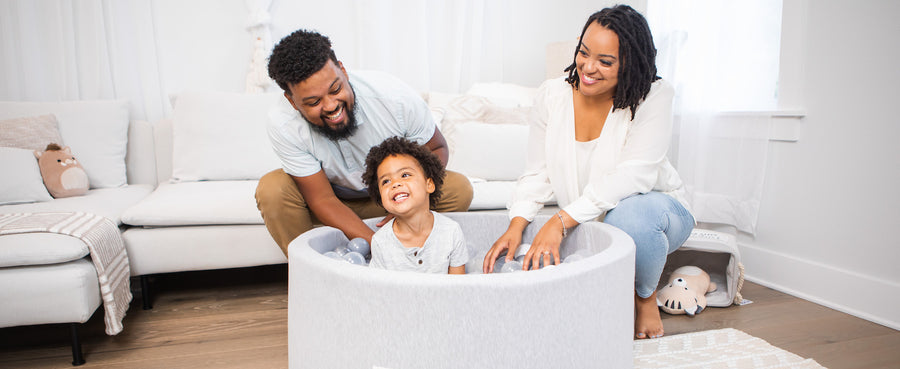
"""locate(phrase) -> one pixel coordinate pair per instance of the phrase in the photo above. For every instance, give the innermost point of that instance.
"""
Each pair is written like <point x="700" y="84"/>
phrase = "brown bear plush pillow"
<point x="62" y="174"/>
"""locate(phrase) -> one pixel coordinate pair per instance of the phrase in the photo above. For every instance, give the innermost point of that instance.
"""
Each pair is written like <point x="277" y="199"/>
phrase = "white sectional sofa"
<point x="182" y="189"/>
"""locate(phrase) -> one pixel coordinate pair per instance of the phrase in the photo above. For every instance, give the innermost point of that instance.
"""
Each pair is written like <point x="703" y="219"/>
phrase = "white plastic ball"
<point x="333" y="255"/>
<point x="522" y="250"/>
<point x="341" y="250"/>
<point x="498" y="265"/>
<point x="512" y="266"/>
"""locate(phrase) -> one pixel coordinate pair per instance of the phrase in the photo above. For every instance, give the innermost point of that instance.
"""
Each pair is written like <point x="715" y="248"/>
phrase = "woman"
<point x="598" y="142"/>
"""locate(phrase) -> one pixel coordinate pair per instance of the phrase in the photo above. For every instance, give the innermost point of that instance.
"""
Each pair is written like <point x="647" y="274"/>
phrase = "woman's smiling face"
<point x="597" y="61"/>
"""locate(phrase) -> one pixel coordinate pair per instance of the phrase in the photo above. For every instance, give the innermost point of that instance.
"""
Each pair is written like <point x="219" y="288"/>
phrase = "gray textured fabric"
<point x="575" y="315"/>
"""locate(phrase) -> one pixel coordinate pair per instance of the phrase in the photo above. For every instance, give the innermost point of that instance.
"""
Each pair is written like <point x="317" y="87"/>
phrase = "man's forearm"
<point x="443" y="154"/>
<point x="335" y="214"/>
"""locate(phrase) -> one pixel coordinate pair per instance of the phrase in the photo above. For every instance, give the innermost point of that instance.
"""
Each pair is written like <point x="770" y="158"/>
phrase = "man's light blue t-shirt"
<point x="385" y="107"/>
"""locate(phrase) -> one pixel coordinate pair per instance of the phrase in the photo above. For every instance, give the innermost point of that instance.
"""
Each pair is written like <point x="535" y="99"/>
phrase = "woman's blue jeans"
<point x="659" y="225"/>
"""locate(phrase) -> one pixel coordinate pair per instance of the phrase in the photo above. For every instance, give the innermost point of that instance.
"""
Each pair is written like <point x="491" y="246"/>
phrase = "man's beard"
<point x="346" y="130"/>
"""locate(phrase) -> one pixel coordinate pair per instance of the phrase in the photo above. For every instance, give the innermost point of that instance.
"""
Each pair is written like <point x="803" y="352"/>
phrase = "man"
<point x="324" y="133"/>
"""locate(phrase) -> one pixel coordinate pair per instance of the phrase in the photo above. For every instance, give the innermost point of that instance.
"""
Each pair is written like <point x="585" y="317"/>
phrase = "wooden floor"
<point x="238" y="319"/>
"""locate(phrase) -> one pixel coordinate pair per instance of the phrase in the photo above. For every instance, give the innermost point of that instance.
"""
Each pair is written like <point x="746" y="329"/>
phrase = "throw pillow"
<point x="505" y="145"/>
<point x="31" y="133"/>
<point x="20" y="181"/>
<point x="96" y="130"/>
<point x="63" y="175"/>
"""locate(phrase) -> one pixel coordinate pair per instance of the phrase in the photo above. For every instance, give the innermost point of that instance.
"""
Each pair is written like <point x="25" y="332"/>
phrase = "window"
<point x="721" y="54"/>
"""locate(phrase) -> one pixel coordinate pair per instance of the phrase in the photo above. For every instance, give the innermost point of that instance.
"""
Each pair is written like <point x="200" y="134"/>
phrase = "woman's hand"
<point x="545" y="246"/>
<point x="509" y="242"/>
<point x="546" y="243"/>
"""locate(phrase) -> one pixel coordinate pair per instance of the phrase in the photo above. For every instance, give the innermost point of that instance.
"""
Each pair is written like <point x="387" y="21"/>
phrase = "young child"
<point x="405" y="179"/>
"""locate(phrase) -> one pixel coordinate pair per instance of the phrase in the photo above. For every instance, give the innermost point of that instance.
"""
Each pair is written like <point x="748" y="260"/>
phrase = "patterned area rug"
<point x="721" y="348"/>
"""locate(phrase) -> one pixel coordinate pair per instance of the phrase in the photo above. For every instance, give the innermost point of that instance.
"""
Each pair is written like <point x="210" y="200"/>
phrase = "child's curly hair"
<point x="429" y="162"/>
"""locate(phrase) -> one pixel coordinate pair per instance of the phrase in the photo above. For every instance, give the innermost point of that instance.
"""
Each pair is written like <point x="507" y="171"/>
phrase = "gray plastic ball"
<point x="359" y="245"/>
<point x="355" y="258"/>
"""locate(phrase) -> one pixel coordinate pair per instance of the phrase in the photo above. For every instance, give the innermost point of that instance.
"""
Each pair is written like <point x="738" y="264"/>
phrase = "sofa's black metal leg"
<point x="77" y="357"/>
<point x="145" y="292"/>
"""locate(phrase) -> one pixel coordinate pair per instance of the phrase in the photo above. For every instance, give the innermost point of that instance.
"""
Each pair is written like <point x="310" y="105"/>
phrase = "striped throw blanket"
<point x="105" y="244"/>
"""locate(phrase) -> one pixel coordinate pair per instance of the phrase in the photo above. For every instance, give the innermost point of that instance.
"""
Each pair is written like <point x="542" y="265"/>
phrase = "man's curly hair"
<point x="298" y="56"/>
<point x="429" y="162"/>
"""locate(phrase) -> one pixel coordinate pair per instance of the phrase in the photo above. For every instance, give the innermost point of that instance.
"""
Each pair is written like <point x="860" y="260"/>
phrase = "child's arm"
<point x="375" y="249"/>
<point x="460" y="253"/>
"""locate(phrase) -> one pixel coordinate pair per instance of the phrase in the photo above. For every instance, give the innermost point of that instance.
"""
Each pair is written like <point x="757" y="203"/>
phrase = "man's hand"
<point x="324" y="204"/>
<point x="385" y="220"/>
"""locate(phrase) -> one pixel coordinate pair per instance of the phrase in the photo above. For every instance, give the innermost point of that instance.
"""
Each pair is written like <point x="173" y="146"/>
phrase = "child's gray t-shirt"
<point x="444" y="247"/>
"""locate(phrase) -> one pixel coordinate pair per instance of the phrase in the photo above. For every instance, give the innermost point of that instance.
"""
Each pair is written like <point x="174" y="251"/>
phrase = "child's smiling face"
<point x="403" y="186"/>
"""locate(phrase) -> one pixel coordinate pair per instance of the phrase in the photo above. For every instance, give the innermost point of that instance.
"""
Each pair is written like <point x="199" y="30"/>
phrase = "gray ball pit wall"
<point x="576" y="315"/>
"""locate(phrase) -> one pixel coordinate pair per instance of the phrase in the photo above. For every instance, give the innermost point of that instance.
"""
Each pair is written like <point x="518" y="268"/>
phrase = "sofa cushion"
<point x="55" y="293"/>
<point x="107" y="202"/>
<point x="504" y="144"/>
<point x="32" y="133"/>
<point x="197" y="203"/>
<point x="489" y="120"/>
<point x="491" y="194"/>
<point x="222" y="136"/>
<point x="20" y="177"/>
<point x="467" y="117"/>
<point x="179" y="249"/>
<point x="39" y="249"/>
<point x="97" y="132"/>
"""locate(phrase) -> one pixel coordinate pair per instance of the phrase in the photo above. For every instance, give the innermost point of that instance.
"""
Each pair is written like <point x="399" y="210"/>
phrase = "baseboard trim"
<point x="863" y="296"/>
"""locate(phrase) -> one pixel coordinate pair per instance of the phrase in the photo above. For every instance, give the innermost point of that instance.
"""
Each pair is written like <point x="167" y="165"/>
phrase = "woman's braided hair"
<point x="637" y="55"/>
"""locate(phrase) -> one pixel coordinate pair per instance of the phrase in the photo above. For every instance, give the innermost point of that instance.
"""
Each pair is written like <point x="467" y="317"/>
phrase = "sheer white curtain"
<point x="80" y="50"/>
<point x="147" y="50"/>
<point x="433" y="45"/>
<point x="722" y="57"/>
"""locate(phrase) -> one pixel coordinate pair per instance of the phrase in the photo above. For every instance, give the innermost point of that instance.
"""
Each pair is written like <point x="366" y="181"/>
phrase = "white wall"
<point x="831" y="204"/>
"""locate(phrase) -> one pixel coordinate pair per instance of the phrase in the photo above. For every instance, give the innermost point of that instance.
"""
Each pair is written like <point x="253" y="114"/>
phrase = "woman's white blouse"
<point x="632" y="158"/>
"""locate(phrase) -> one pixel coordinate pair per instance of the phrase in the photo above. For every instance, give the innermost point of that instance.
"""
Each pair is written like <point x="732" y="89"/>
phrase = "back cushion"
<point x="96" y="131"/>
<point x="222" y="136"/>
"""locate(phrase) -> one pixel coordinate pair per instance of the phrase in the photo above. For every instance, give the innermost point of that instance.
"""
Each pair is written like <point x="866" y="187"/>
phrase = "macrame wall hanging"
<point x="258" y="26"/>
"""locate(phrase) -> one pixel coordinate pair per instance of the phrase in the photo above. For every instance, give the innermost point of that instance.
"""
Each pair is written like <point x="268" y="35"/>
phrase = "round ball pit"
<point x="576" y="315"/>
